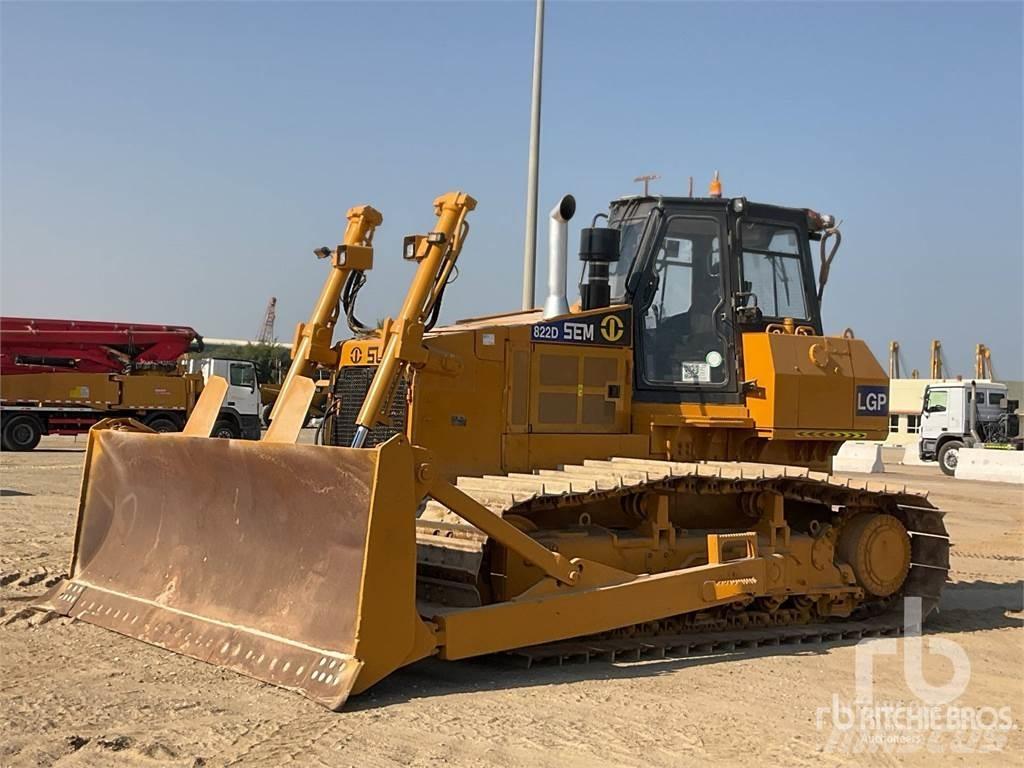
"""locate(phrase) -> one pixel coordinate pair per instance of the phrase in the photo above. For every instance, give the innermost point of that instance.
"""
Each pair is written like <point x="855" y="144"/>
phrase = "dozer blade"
<point x="294" y="564"/>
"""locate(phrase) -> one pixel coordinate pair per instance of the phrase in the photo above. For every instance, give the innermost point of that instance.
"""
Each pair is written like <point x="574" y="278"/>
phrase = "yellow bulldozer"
<point x="645" y="469"/>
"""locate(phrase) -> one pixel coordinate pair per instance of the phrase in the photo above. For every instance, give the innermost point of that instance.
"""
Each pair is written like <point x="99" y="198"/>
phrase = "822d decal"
<point x="612" y="329"/>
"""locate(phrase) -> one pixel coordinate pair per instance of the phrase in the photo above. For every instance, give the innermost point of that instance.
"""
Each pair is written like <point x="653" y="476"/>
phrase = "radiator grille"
<point x="350" y="389"/>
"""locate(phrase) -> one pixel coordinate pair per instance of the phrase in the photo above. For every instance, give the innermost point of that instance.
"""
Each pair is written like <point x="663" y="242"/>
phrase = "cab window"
<point x="936" y="401"/>
<point x="630" y="233"/>
<point x="243" y="375"/>
<point x="678" y="305"/>
<point x="773" y="270"/>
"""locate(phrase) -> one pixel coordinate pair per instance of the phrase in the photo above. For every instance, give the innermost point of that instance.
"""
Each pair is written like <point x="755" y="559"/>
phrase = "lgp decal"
<point x="611" y="329"/>
<point x="872" y="400"/>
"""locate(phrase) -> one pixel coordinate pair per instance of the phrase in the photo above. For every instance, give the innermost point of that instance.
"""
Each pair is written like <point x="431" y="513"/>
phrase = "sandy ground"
<point x="72" y="694"/>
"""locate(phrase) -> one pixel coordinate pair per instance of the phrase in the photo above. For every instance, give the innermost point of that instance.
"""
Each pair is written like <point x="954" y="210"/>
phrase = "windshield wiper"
<point x="780" y="275"/>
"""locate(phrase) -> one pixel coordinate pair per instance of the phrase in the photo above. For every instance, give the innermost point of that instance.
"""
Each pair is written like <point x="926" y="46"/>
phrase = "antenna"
<point x="266" y="334"/>
<point x="647" y="179"/>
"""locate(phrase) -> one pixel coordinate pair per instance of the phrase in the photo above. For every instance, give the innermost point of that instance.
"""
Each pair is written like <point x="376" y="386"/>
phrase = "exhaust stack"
<point x="558" y="249"/>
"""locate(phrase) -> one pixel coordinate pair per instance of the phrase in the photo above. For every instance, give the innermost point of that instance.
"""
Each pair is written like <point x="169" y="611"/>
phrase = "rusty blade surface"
<point x="244" y="554"/>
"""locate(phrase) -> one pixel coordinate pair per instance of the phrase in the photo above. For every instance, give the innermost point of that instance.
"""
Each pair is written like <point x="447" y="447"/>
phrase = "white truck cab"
<point x="955" y="414"/>
<point x="239" y="417"/>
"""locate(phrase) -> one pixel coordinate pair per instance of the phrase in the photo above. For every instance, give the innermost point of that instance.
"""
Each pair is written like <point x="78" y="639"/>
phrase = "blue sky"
<point x="178" y="162"/>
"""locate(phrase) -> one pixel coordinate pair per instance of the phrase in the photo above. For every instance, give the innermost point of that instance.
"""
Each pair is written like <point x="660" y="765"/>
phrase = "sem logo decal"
<point x="610" y="329"/>
<point x="372" y="355"/>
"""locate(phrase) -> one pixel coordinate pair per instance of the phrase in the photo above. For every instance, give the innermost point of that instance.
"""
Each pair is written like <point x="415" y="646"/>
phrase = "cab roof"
<point x="762" y="209"/>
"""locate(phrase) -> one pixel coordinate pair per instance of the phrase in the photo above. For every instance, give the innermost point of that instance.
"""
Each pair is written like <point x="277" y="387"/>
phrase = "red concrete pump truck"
<point x="59" y="377"/>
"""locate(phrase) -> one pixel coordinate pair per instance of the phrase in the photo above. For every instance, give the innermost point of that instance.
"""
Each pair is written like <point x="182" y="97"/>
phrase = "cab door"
<point x="684" y="334"/>
<point x="243" y="394"/>
<point x="942" y="412"/>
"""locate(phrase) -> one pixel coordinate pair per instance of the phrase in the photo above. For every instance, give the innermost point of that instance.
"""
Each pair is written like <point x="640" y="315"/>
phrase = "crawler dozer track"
<point x="453" y="557"/>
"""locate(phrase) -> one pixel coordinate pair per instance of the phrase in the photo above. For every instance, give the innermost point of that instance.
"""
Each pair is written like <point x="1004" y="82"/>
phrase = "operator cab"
<point x="699" y="271"/>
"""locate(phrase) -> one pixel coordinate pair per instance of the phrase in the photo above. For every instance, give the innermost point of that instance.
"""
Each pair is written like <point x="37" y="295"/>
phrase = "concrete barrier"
<point x="858" y="456"/>
<point x="911" y="456"/>
<point x="996" y="466"/>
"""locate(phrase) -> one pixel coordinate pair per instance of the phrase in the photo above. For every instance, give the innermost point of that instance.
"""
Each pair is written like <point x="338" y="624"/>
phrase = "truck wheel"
<point x="948" y="455"/>
<point x="226" y="429"/>
<point x="21" y="433"/>
<point x="265" y="414"/>
<point x="163" y="424"/>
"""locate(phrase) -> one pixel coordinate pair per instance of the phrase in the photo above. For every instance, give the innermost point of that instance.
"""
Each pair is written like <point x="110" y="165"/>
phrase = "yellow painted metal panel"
<point x="100" y="390"/>
<point x="461" y="416"/>
<point x="153" y="392"/>
<point x="579" y="389"/>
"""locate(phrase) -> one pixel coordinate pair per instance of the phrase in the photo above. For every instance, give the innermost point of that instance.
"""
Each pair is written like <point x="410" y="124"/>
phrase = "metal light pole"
<point x="530" y="248"/>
